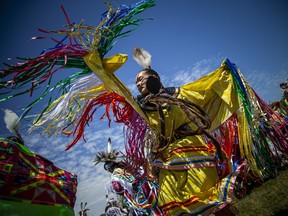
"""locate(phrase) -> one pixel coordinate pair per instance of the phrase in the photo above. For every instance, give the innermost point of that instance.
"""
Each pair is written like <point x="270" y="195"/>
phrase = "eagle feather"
<point x="142" y="57"/>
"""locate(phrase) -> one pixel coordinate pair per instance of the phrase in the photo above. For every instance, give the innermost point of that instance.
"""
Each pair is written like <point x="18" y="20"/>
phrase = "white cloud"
<point x="265" y="84"/>
<point x="193" y="73"/>
<point x="92" y="190"/>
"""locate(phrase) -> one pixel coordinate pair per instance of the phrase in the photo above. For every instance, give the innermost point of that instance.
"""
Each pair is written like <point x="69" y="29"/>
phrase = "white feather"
<point x="11" y="120"/>
<point x="109" y="146"/>
<point x="142" y="57"/>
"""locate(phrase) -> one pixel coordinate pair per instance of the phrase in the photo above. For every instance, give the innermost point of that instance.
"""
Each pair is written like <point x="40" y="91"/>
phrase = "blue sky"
<point x="187" y="39"/>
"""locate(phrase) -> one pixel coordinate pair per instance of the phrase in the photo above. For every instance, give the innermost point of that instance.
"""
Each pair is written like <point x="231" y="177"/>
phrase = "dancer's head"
<point x="148" y="81"/>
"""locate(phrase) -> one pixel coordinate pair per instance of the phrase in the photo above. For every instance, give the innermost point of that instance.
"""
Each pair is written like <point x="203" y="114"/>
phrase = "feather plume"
<point x="103" y="156"/>
<point x="12" y="121"/>
<point x="142" y="57"/>
<point x="109" y="146"/>
<point x="106" y="155"/>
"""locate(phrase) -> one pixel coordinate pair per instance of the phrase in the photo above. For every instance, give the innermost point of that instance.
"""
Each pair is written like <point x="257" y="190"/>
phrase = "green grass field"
<point x="269" y="199"/>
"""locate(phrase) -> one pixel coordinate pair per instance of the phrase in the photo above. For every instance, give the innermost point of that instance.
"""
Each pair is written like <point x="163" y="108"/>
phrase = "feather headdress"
<point x="110" y="154"/>
<point x="142" y="57"/>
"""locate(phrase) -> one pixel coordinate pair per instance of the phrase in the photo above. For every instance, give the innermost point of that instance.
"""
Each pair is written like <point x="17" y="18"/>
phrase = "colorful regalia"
<point x="33" y="185"/>
<point x="245" y="126"/>
<point x="138" y="195"/>
<point x="30" y="184"/>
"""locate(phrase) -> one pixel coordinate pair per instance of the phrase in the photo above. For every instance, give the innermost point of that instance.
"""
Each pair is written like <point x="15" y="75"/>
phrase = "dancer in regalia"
<point x="195" y="140"/>
<point x="185" y="165"/>
<point x="138" y="195"/>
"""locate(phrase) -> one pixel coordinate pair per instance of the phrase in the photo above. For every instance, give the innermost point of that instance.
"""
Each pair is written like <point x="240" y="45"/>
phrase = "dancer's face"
<point x="141" y="80"/>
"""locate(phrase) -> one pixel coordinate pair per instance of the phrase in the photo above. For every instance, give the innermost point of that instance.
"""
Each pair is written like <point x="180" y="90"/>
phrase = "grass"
<point x="269" y="199"/>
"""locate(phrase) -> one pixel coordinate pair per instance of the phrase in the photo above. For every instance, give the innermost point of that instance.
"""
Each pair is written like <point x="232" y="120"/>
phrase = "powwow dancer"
<point x="84" y="210"/>
<point x="113" y="207"/>
<point x="139" y="196"/>
<point x="186" y="168"/>
<point x="239" y="120"/>
<point x="281" y="107"/>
